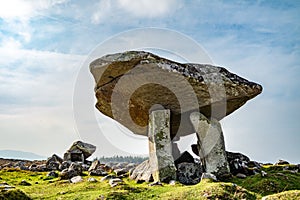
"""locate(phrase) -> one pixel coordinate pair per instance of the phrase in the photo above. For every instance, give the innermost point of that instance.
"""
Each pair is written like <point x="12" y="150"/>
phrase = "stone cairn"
<point x="165" y="100"/>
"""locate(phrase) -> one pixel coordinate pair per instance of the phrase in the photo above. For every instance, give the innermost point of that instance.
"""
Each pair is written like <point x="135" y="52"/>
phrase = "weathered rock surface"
<point x="128" y="84"/>
<point x="160" y="149"/>
<point x="189" y="173"/>
<point x="142" y="172"/>
<point x="211" y="144"/>
<point x="75" y="169"/>
<point x="76" y="179"/>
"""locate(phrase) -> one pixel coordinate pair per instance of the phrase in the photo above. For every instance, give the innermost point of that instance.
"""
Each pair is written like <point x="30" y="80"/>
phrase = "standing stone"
<point x="211" y="144"/>
<point x="160" y="149"/>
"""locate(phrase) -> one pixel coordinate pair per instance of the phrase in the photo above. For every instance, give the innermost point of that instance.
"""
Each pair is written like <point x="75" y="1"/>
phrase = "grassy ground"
<point x="278" y="184"/>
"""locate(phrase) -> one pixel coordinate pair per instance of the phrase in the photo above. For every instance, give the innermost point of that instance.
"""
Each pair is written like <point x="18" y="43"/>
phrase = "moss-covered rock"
<point x="13" y="194"/>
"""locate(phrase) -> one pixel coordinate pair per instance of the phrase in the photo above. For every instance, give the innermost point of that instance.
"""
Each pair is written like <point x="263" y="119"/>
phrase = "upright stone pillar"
<point x="211" y="144"/>
<point x="160" y="149"/>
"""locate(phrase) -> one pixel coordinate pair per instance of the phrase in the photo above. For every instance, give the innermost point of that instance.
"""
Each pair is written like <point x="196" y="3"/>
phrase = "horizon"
<point x="45" y="47"/>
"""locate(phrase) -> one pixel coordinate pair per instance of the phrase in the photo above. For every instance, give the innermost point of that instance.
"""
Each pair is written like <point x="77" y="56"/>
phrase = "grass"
<point x="278" y="184"/>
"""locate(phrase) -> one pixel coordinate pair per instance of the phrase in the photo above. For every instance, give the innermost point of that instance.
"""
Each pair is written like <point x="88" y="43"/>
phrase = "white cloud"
<point x="128" y="9"/>
<point x="149" y="9"/>
<point x="15" y="8"/>
<point x="25" y="9"/>
<point x="103" y="10"/>
<point x="36" y="89"/>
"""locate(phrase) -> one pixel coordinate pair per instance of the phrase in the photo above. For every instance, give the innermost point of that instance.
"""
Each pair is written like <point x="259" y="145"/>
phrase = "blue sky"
<point x="44" y="43"/>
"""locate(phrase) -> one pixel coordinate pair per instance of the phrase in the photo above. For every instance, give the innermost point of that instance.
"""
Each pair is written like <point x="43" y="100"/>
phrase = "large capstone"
<point x="129" y="84"/>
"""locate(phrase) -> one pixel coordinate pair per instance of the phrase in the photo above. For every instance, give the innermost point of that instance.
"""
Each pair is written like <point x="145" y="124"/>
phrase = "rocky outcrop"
<point x="128" y="85"/>
<point x="79" y="151"/>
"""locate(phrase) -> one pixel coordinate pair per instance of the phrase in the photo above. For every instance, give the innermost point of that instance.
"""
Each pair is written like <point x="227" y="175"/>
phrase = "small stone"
<point x="120" y="171"/>
<point x="25" y="183"/>
<point x="64" y="165"/>
<point x="76" y="179"/>
<point x="240" y="175"/>
<point x="95" y="165"/>
<point x="108" y="177"/>
<point x="92" y="180"/>
<point x="98" y="172"/>
<point x="209" y="176"/>
<point x="172" y="182"/>
<point x="33" y="167"/>
<point x="41" y="168"/>
<point x="53" y="174"/>
<point x="263" y="173"/>
<point x="114" y="182"/>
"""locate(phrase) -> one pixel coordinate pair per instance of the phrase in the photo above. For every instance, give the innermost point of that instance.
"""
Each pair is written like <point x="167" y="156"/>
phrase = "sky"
<point x="46" y="45"/>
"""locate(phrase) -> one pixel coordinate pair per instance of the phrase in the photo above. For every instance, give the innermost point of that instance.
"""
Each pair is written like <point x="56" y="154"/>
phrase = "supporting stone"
<point x="211" y="144"/>
<point x="160" y="149"/>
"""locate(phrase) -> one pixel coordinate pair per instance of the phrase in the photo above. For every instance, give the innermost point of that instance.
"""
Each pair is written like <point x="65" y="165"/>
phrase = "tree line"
<point x="116" y="158"/>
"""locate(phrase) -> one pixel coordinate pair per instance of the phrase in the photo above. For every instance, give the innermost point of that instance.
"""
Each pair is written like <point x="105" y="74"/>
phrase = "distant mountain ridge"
<point x="14" y="154"/>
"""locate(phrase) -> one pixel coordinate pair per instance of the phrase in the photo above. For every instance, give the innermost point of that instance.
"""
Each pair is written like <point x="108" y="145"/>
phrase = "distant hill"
<point x="13" y="154"/>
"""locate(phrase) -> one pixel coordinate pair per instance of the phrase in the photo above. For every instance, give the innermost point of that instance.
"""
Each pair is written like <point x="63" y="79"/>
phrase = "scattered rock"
<point x="120" y="172"/>
<point x="5" y="186"/>
<point x="107" y="177"/>
<point x="114" y="182"/>
<point x="254" y="164"/>
<point x="95" y="165"/>
<point x="52" y="165"/>
<point x="209" y="176"/>
<point x="52" y="174"/>
<point x="33" y="167"/>
<point x="77" y="167"/>
<point x="92" y="180"/>
<point x="98" y="172"/>
<point x="172" y="182"/>
<point x="282" y="162"/>
<point x="189" y="173"/>
<point x="130" y="166"/>
<point x="240" y="175"/>
<point x="142" y="172"/>
<point x="24" y="183"/>
<point x="239" y="163"/>
<point x="41" y="168"/>
<point x="64" y="165"/>
<point x="76" y="179"/>
<point x="263" y="173"/>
